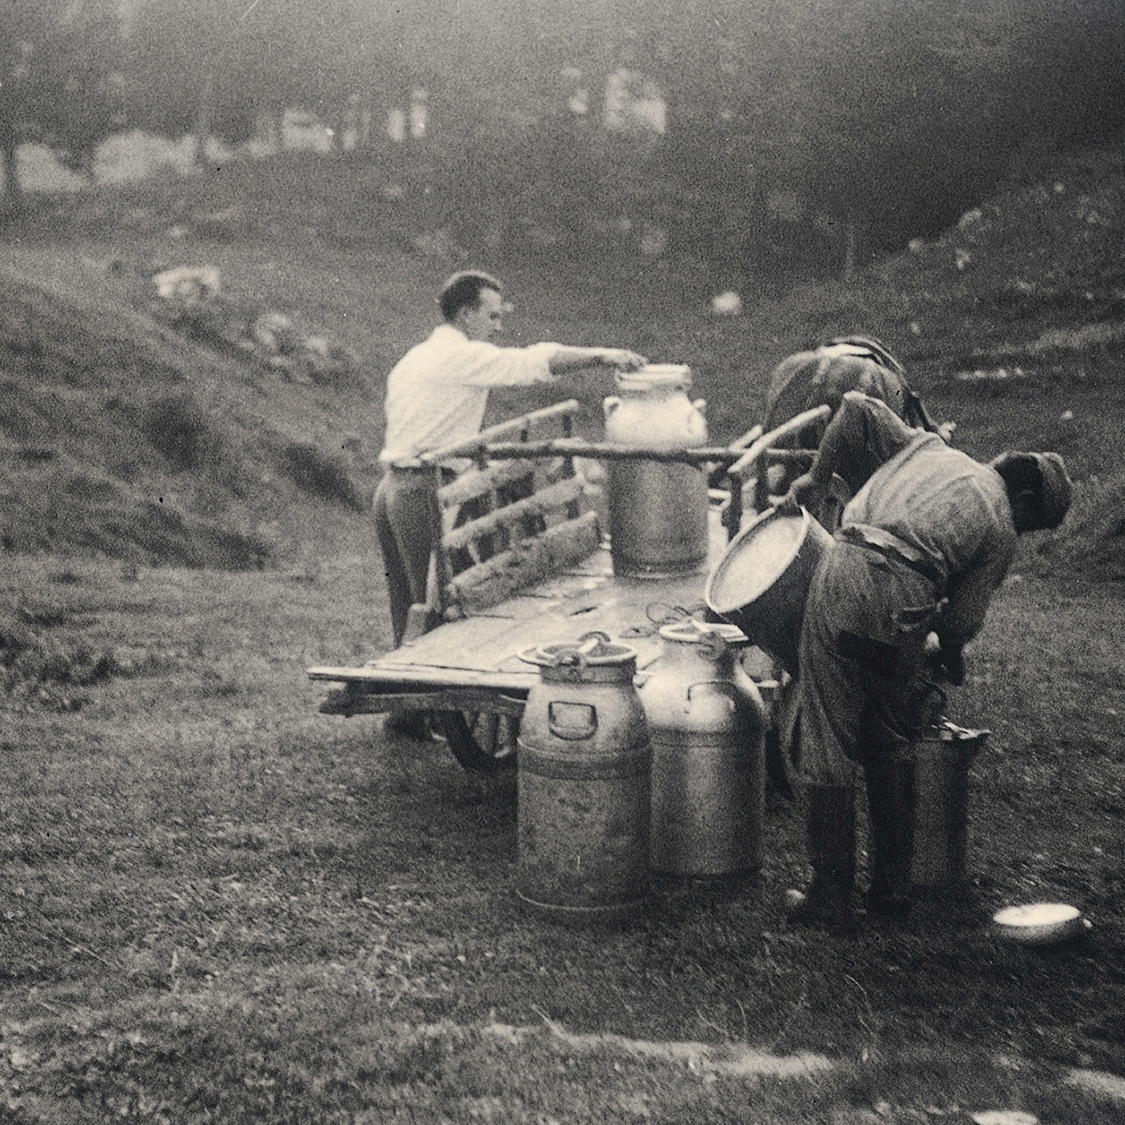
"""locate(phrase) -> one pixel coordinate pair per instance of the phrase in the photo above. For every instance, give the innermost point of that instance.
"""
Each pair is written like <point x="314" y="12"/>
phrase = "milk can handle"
<point x="572" y="722"/>
<point x="712" y="644"/>
<point x="587" y="643"/>
<point x="725" y="688"/>
<point x="611" y="404"/>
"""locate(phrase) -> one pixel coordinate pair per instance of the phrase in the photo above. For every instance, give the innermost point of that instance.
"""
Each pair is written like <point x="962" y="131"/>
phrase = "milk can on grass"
<point x="583" y="778"/>
<point x="657" y="509"/>
<point x="942" y="757"/>
<point x="707" y="723"/>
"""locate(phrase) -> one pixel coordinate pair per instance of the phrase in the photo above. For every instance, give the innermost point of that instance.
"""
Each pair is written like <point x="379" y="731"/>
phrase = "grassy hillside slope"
<point x="135" y="433"/>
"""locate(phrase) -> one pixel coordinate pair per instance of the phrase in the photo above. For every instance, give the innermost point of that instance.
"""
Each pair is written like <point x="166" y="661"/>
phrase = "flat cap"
<point x="1045" y="475"/>
<point x="1055" y="492"/>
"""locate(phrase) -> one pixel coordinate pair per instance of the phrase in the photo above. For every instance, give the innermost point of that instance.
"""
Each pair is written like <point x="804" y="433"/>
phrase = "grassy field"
<point x="222" y="906"/>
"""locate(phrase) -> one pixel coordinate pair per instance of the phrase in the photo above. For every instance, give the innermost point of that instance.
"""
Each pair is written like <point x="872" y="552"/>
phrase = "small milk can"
<point x="707" y="723"/>
<point x="584" y="782"/>
<point x="657" y="509"/>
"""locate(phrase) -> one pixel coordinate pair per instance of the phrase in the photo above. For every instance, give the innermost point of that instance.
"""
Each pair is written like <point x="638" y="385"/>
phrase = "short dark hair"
<point x="463" y="290"/>
<point x="1020" y="473"/>
<point x="876" y="348"/>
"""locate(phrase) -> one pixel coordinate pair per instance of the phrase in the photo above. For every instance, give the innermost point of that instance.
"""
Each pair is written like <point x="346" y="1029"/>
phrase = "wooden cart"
<point x="522" y="561"/>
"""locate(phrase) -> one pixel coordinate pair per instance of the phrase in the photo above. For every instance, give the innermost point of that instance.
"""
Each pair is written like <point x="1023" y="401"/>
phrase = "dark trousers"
<point x="405" y="517"/>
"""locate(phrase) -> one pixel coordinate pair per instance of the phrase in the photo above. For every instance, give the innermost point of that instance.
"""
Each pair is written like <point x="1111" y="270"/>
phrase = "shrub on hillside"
<point x="181" y="430"/>
<point x="321" y="474"/>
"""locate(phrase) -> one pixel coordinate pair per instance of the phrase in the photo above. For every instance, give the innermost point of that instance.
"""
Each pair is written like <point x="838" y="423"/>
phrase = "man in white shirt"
<point x="436" y="395"/>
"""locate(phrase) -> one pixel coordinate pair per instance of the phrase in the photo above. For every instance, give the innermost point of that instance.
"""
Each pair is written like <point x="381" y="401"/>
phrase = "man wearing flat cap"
<point x="921" y="548"/>
<point x="437" y="395"/>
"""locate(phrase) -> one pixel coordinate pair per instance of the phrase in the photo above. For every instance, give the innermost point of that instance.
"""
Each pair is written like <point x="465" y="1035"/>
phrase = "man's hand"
<point x="953" y="664"/>
<point x="622" y="359"/>
<point x="804" y="492"/>
<point x="945" y="660"/>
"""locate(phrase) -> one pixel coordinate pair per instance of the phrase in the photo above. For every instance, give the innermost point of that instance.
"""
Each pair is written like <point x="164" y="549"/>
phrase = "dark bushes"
<point x="321" y="474"/>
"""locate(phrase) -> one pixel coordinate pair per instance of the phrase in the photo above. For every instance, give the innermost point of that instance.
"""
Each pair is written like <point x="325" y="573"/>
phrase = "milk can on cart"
<point x="657" y="509"/>
<point x="584" y="779"/>
<point x="707" y="723"/>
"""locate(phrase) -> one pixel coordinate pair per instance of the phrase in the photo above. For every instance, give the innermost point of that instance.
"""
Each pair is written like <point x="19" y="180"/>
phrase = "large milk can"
<point x="657" y="510"/>
<point x="584" y="778"/>
<point x="942" y="756"/>
<point x="707" y="723"/>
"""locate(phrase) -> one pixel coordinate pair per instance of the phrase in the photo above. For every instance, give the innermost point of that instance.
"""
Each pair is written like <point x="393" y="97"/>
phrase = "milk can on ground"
<point x="657" y="509"/>
<point x="942" y="755"/>
<point x="707" y="724"/>
<point x="584" y="781"/>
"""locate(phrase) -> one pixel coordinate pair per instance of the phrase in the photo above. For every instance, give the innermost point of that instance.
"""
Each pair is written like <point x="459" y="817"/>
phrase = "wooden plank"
<point x="528" y="561"/>
<point x="763" y="443"/>
<point x="479" y="482"/>
<point x="400" y="678"/>
<point x="554" y="496"/>
<point x="525" y="422"/>
<point x="612" y="451"/>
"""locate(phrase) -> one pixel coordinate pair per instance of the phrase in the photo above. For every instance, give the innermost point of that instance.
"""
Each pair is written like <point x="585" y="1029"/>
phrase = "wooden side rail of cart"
<point x="521" y="511"/>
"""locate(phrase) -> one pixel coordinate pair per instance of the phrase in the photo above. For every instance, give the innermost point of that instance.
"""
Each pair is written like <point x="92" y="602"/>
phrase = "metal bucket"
<point x="942" y="756"/>
<point x="584" y="779"/>
<point x="707" y="723"/>
<point x="762" y="580"/>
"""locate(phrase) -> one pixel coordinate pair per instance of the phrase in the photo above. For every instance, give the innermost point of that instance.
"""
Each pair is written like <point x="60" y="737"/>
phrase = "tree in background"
<point x="799" y="135"/>
<point x="187" y="69"/>
<point x="60" y="75"/>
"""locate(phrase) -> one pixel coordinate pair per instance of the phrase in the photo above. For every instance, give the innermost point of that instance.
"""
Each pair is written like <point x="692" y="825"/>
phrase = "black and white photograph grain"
<point x="562" y="562"/>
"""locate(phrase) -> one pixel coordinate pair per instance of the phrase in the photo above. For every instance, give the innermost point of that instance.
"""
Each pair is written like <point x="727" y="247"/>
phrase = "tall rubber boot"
<point x="827" y="902"/>
<point x="890" y="802"/>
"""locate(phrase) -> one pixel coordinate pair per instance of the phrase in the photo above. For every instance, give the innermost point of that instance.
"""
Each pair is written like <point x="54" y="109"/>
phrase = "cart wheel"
<point x="482" y="741"/>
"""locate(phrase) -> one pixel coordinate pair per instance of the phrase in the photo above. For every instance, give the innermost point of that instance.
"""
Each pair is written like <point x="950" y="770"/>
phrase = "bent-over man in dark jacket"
<point x="920" y="550"/>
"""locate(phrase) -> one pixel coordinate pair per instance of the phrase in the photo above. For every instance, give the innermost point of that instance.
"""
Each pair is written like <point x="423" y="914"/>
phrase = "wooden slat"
<point x="748" y="438"/>
<point x="531" y="560"/>
<point x="613" y="451"/>
<point x="479" y="482"/>
<point x="524" y="422"/>
<point x="392" y="680"/>
<point x="766" y="440"/>
<point x="554" y="496"/>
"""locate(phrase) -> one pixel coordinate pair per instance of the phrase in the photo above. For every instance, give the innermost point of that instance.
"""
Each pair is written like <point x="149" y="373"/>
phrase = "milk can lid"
<point x="693" y="631"/>
<point x="594" y="649"/>
<point x="655" y="376"/>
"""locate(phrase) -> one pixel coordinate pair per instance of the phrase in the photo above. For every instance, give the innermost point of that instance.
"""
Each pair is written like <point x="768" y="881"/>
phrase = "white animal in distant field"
<point x="187" y="283"/>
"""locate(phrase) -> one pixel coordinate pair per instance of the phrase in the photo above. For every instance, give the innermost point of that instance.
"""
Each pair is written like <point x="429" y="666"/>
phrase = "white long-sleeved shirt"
<point x="438" y="392"/>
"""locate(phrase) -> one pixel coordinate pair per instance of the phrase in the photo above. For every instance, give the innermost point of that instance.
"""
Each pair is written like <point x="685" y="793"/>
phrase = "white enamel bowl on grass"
<point x="1039" y="923"/>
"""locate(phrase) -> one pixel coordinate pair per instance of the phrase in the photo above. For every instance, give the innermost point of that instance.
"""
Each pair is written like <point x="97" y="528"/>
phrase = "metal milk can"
<point x="584" y="784"/>
<point x="707" y="722"/>
<point x="657" y="510"/>
<point x="942" y="756"/>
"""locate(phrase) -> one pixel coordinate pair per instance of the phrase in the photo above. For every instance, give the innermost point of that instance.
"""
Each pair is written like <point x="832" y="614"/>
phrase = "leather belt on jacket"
<point x="887" y="545"/>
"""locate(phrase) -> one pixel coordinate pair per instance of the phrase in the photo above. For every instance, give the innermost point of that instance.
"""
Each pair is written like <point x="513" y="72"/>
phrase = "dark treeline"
<point x="774" y="136"/>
